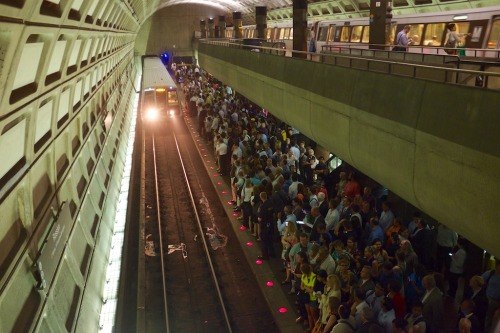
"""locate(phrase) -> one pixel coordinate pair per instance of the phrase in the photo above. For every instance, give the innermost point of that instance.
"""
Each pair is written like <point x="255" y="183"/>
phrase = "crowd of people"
<point x="353" y="265"/>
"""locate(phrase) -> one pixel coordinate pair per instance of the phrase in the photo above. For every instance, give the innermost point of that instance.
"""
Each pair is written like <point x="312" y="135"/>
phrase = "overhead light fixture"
<point x="460" y="17"/>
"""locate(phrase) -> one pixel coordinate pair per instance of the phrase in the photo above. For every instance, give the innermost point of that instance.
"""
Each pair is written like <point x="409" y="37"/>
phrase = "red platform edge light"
<point x="211" y="168"/>
<point x="229" y="202"/>
<point x="282" y="310"/>
<point x="224" y="192"/>
<point x="258" y="262"/>
<point x="216" y="175"/>
<point x="208" y="161"/>
<point x="250" y="244"/>
<point x="270" y="283"/>
<point x="219" y="183"/>
<point x="242" y="228"/>
<point x="235" y="214"/>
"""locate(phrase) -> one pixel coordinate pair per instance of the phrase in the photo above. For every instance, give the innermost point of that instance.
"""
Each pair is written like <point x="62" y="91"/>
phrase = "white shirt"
<point x="357" y="315"/>
<point x="458" y="261"/>
<point x="292" y="190"/>
<point x="446" y="237"/>
<point x="331" y="219"/>
<point x="385" y="320"/>
<point x="222" y="149"/>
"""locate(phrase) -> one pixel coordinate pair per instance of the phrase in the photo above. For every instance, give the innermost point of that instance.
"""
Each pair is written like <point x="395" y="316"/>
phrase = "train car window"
<point x="287" y="33"/>
<point x="494" y="35"/>
<point x="416" y="34"/>
<point x="462" y="27"/>
<point x="331" y="33"/>
<point x="356" y="34"/>
<point x="366" y="34"/>
<point x="291" y="33"/>
<point x="346" y="32"/>
<point x="323" y="32"/>
<point x="282" y="33"/>
<point x="390" y="30"/>
<point x="269" y="33"/>
<point x="434" y="33"/>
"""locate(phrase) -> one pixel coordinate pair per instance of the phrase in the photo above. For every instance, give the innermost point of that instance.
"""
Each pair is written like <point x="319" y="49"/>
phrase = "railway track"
<point x="196" y="279"/>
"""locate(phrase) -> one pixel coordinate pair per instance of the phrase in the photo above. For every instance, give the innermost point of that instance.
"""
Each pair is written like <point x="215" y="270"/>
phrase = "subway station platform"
<point x="433" y="143"/>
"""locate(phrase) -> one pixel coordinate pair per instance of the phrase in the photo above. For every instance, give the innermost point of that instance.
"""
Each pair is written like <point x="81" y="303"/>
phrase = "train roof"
<point x="154" y="74"/>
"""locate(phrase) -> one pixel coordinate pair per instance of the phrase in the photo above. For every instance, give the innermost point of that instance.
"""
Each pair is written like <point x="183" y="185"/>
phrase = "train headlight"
<point x="152" y="114"/>
<point x="171" y="113"/>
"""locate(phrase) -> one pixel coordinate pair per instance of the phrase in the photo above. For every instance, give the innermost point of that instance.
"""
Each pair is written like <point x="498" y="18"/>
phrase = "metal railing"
<point x="444" y="72"/>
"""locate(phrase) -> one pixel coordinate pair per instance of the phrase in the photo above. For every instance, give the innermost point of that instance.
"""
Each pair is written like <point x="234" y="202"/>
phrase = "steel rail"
<point x="163" y="275"/>
<point x="200" y="227"/>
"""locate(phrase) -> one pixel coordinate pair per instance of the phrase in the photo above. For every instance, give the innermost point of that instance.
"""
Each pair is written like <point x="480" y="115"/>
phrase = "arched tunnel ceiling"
<point x="279" y="10"/>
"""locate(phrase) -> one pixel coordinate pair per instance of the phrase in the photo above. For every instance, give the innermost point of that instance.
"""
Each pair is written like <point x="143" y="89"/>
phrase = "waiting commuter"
<point x="492" y="280"/>
<point x="453" y="39"/>
<point x="266" y="223"/>
<point x="432" y="301"/>
<point x="401" y="42"/>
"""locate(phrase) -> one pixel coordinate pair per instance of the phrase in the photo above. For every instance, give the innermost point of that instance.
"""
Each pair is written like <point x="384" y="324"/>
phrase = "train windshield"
<point x="149" y="98"/>
<point x="172" y="98"/>
<point x="160" y="98"/>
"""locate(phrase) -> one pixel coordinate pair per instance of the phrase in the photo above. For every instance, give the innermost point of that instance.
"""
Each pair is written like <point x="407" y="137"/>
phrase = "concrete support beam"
<point x="203" y="28"/>
<point x="299" y="28"/>
<point x="378" y="21"/>
<point x="211" y="28"/>
<point x="222" y="26"/>
<point x="237" y="25"/>
<point x="261" y="21"/>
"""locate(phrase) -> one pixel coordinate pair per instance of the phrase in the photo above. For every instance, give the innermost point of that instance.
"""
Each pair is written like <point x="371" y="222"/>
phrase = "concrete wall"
<point x="433" y="144"/>
<point x="174" y="25"/>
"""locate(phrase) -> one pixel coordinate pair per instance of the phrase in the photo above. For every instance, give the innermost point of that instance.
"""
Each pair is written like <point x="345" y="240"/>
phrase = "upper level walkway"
<point x="425" y="132"/>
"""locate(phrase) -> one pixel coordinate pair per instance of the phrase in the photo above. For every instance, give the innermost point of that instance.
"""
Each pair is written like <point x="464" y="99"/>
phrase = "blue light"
<point x="165" y="57"/>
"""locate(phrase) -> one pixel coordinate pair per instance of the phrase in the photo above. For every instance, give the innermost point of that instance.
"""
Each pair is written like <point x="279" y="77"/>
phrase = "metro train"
<point x="427" y="30"/>
<point x="159" y="90"/>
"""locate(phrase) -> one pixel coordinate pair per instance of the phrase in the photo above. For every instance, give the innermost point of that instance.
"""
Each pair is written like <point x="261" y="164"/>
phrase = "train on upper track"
<point x="158" y="91"/>
<point x="427" y="30"/>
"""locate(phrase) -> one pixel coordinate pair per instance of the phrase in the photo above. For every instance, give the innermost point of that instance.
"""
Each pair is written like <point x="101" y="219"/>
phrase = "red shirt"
<point x="351" y="189"/>
<point x="399" y="304"/>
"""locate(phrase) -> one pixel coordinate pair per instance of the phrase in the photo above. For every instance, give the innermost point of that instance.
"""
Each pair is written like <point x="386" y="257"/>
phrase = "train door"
<point x="477" y="29"/>
<point x="331" y="34"/>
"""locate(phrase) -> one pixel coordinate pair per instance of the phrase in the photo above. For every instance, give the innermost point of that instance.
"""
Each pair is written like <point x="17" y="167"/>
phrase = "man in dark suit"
<point x="479" y="298"/>
<point x="421" y="240"/>
<point x="433" y="304"/>
<point x="316" y="220"/>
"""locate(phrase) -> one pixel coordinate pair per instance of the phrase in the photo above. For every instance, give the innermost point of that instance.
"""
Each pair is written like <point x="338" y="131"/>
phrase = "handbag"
<point x="450" y="46"/>
<point x="303" y="297"/>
